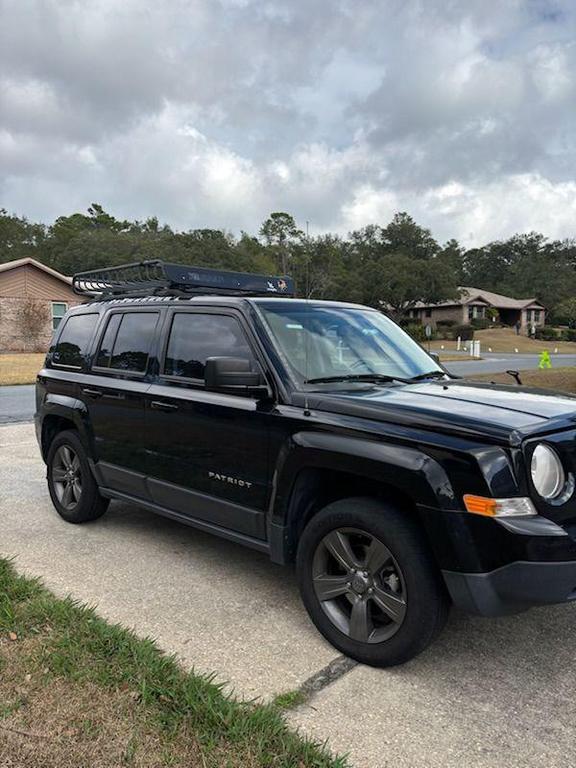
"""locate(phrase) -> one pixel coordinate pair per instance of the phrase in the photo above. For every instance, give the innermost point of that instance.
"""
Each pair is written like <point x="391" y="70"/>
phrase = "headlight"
<point x="547" y="472"/>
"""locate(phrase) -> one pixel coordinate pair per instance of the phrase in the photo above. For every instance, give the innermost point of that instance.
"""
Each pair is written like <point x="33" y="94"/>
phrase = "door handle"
<point x="159" y="405"/>
<point x="114" y="396"/>
<point x="91" y="392"/>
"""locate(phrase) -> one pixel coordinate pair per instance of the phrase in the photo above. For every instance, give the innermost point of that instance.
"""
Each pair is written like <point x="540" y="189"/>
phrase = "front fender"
<point x="407" y="469"/>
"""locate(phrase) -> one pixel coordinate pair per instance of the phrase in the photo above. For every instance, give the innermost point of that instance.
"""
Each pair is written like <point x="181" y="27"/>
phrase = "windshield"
<point x="322" y="341"/>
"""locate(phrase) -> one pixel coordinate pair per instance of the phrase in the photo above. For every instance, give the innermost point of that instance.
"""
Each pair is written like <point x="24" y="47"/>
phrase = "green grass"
<point x="290" y="699"/>
<point x="70" y="641"/>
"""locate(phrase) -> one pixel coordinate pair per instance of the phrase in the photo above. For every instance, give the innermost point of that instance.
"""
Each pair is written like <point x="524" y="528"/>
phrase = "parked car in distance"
<point x="319" y="433"/>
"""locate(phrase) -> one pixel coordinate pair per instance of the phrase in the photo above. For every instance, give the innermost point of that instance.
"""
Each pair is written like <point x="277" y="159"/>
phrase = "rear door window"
<point x="127" y="342"/>
<point x="195" y="337"/>
<point x="74" y="341"/>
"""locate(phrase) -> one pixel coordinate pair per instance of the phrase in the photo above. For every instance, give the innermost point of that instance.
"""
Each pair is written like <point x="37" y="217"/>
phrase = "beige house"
<point x="33" y="300"/>
<point x="474" y="304"/>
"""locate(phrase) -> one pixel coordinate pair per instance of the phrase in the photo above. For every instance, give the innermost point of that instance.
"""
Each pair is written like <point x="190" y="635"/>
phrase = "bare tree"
<point x="33" y="319"/>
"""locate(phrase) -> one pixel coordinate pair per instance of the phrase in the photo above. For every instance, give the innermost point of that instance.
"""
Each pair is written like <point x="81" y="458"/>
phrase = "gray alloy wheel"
<point x="71" y="484"/>
<point x="67" y="477"/>
<point x="359" y="585"/>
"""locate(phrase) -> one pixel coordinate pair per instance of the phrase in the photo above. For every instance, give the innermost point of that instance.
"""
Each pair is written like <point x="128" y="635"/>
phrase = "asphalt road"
<point x="488" y="693"/>
<point x="496" y="363"/>
<point x="17" y="403"/>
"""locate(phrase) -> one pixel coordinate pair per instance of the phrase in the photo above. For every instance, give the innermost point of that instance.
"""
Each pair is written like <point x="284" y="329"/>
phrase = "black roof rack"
<point x="158" y="278"/>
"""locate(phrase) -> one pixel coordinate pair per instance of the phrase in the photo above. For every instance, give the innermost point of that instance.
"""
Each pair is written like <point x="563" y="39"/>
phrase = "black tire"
<point x="347" y="603"/>
<point x="71" y="484"/>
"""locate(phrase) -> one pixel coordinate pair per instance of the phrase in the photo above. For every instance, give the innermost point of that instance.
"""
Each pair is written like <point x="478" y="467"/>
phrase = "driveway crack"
<point x="333" y="671"/>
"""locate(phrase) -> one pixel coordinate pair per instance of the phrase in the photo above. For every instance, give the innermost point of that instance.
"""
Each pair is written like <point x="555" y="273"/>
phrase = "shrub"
<point x="444" y="329"/>
<point x="466" y="332"/>
<point x="481" y="323"/>
<point x="568" y="334"/>
<point x="418" y="332"/>
<point x="547" y="333"/>
<point x="405" y="321"/>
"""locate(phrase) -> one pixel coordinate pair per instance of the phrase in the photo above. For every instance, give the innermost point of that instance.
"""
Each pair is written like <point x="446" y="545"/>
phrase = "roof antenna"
<point x="306" y="338"/>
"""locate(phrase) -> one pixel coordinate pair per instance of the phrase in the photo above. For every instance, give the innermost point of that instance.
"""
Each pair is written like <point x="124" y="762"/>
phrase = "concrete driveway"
<point x="489" y="693"/>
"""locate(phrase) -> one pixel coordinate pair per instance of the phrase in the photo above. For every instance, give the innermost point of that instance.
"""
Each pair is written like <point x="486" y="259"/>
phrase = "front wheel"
<point x="71" y="484"/>
<point x="368" y="582"/>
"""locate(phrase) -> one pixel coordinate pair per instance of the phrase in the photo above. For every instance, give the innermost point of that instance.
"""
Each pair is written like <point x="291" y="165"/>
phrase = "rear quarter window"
<point x="74" y="342"/>
<point x="127" y="341"/>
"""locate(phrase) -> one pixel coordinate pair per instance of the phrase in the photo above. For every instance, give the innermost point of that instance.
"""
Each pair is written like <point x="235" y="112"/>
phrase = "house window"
<point x="428" y="311"/>
<point x="59" y="309"/>
<point x="537" y="315"/>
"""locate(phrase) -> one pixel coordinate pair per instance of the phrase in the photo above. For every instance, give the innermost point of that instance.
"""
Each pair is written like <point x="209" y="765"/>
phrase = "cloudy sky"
<point x="212" y="113"/>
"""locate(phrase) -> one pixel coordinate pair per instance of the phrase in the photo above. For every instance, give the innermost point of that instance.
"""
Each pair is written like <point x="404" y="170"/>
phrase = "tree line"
<point x="397" y="265"/>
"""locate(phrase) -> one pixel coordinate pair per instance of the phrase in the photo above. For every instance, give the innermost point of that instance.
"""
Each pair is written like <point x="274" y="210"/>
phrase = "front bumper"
<point x="512" y="588"/>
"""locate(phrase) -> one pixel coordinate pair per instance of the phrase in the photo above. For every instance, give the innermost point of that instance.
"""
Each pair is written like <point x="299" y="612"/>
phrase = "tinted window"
<point x="194" y="338"/>
<point x="74" y="340"/>
<point x="105" y="350"/>
<point x="127" y="340"/>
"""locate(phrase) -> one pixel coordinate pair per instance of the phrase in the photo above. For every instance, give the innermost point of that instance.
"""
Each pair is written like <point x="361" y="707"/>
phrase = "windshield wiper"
<point x="368" y="377"/>
<point x="429" y="375"/>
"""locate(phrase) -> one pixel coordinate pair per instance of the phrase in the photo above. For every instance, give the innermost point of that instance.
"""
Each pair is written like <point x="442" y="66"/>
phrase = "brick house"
<point x="33" y="300"/>
<point x="473" y="304"/>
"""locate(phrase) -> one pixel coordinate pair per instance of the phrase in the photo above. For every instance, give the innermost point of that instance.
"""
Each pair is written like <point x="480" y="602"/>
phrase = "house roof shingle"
<point x="469" y="295"/>
<point x="495" y="299"/>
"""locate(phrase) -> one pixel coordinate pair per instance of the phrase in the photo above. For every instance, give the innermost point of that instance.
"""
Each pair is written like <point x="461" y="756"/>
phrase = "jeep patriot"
<point x="319" y="433"/>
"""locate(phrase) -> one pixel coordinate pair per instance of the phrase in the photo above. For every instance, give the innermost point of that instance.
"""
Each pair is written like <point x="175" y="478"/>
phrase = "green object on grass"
<point x="545" y="361"/>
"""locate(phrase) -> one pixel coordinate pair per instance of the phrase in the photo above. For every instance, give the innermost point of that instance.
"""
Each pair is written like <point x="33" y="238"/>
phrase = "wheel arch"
<point x="316" y="468"/>
<point x="61" y="413"/>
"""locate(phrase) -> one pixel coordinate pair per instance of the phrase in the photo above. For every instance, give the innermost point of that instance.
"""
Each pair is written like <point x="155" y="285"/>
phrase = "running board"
<point x="202" y="525"/>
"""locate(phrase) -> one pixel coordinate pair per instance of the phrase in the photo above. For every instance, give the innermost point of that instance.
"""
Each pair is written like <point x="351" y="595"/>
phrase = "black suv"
<point x="317" y="432"/>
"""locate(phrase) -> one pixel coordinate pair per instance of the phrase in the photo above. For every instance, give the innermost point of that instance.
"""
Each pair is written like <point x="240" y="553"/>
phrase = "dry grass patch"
<point x="506" y="340"/>
<point x="559" y="379"/>
<point x="462" y="358"/>
<point x="60" y="723"/>
<point x="20" y="367"/>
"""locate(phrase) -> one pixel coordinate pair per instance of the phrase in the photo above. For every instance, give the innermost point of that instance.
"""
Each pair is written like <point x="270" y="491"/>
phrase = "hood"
<point x="463" y="407"/>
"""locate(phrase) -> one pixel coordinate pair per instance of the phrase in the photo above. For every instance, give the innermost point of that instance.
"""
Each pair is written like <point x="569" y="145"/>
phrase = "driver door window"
<point x="195" y="337"/>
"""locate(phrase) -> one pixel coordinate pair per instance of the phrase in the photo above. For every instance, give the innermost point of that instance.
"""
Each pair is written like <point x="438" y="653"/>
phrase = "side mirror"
<point x="235" y="376"/>
<point x="435" y="356"/>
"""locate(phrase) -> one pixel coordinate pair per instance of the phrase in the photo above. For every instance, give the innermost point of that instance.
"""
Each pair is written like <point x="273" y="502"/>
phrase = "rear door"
<point x="114" y="394"/>
<point x="208" y="451"/>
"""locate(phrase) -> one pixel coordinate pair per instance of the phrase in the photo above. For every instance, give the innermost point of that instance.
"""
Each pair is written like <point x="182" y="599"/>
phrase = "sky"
<point x="213" y="113"/>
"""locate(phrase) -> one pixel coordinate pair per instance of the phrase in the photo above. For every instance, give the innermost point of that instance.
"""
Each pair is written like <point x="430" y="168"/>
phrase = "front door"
<point x="208" y="452"/>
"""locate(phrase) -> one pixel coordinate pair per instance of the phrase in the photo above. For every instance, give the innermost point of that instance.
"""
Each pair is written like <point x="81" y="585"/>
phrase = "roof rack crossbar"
<point x="160" y="278"/>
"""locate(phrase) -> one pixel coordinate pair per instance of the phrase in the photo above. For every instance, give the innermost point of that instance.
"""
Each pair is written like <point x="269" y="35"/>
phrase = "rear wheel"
<point x="71" y="484"/>
<point x="369" y="583"/>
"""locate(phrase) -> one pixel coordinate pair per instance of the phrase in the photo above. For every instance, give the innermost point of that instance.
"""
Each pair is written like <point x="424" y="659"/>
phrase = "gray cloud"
<point x="213" y="113"/>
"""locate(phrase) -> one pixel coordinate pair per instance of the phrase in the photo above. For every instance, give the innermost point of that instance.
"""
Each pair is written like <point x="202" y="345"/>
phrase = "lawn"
<point x="560" y="379"/>
<point x="506" y="340"/>
<point x="78" y="691"/>
<point x="20" y="367"/>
